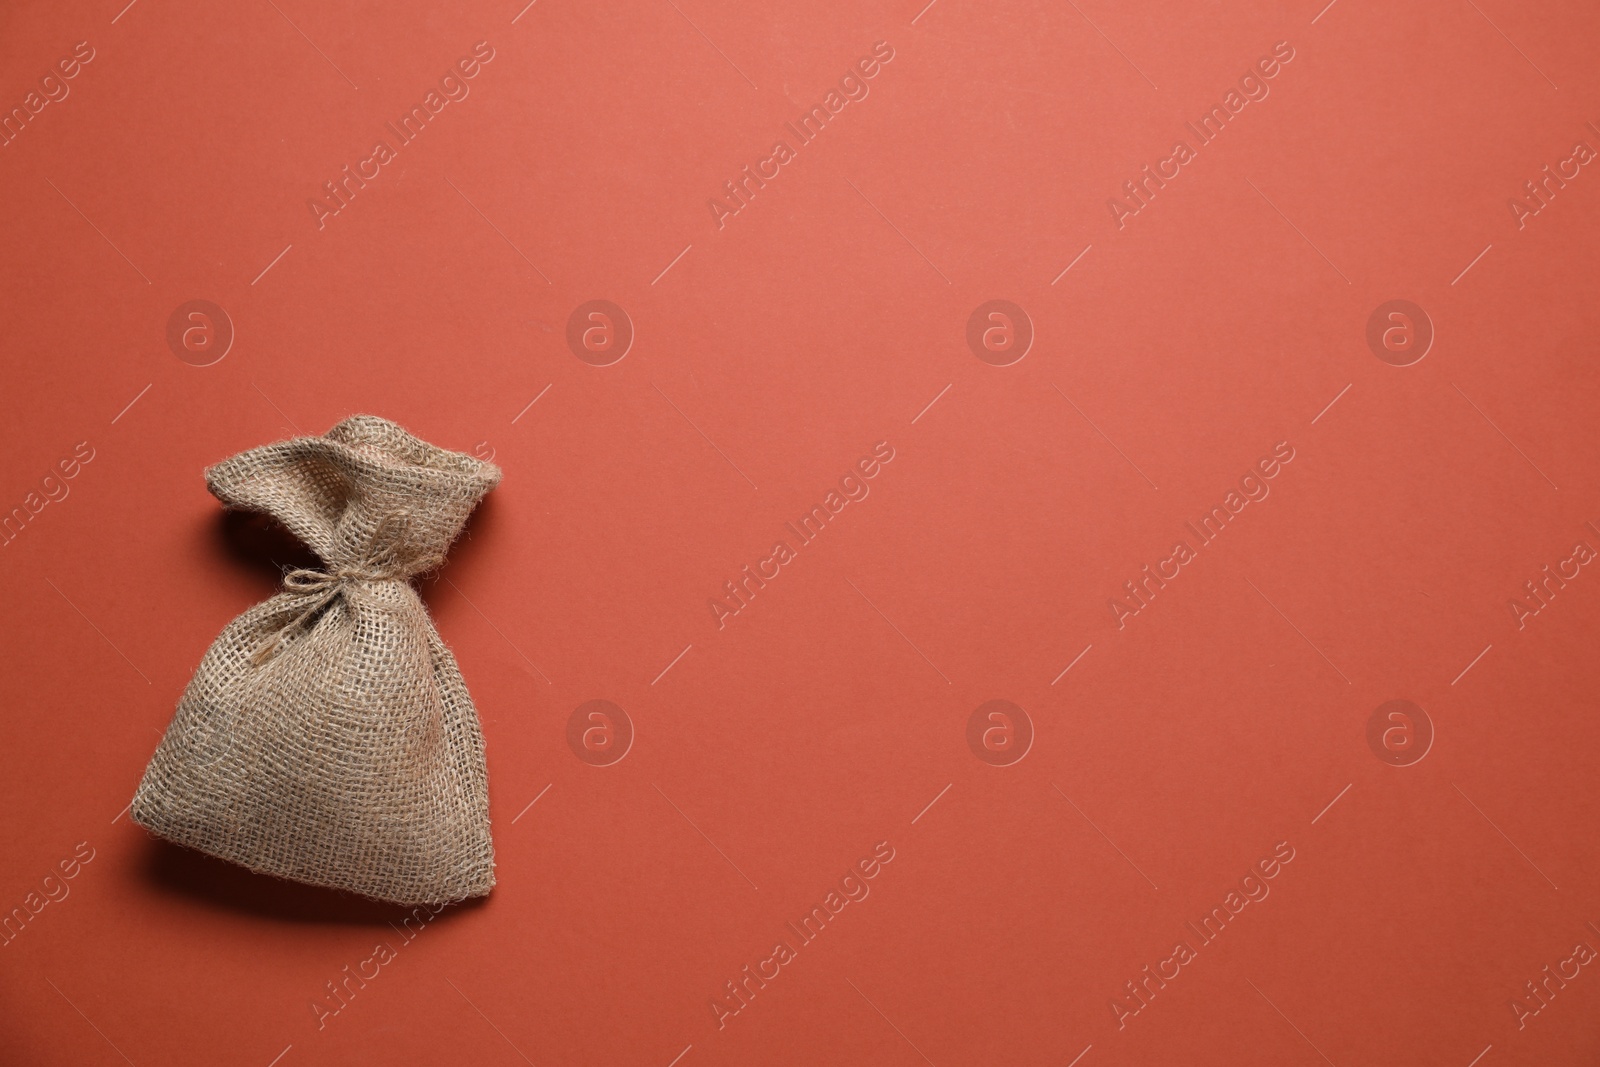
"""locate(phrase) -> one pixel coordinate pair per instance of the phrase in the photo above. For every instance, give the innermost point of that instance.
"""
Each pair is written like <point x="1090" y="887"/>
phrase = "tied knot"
<point x="305" y="581"/>
<point x="381" y="564"/>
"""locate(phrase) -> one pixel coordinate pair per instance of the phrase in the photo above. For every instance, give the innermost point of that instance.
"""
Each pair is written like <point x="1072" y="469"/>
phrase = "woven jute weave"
<point x="327" y="736"/>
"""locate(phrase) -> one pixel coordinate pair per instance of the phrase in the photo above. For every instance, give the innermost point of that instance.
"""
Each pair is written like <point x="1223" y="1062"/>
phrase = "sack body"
<point x="327" y="736"/>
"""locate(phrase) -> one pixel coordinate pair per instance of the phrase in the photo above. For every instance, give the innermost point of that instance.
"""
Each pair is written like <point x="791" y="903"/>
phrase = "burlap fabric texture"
<point x="327" y="735"/>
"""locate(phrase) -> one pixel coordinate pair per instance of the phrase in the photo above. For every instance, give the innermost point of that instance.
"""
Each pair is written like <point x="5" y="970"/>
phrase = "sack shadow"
<point x="206" y="880"/>
<point x="260" y="545"/>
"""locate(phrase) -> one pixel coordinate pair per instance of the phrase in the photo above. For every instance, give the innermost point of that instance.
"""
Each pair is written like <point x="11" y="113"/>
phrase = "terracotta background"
<point x="770" y="354"/>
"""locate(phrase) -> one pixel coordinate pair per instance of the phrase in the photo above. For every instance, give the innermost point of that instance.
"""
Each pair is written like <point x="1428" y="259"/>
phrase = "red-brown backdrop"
<point x="1183" y="331"/>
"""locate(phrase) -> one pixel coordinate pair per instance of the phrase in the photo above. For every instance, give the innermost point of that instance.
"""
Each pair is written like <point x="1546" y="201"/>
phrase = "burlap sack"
<point x="327" y="736"/>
